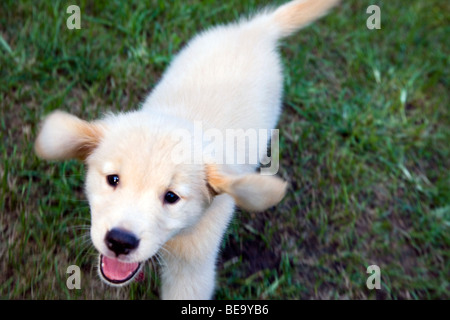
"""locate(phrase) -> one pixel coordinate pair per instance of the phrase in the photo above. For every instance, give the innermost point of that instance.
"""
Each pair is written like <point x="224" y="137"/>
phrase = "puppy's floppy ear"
<point x="64" y="136"/>
<point x="252" y="192"/>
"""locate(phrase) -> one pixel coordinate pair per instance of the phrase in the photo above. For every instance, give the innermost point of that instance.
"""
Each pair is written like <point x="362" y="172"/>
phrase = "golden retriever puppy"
<point x="152" y="186"/>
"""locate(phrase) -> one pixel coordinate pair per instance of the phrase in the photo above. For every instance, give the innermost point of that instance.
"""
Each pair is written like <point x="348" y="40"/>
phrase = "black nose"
<point x="120" y="241"/>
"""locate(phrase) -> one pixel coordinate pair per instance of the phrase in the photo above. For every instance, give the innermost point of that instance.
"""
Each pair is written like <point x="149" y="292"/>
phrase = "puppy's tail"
<point x="297" y="14"/>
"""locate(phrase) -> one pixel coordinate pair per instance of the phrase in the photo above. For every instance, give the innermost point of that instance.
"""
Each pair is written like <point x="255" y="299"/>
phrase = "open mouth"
<point x="116" y="271"/>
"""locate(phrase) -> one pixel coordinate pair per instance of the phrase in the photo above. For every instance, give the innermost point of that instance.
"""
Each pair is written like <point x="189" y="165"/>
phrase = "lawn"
<point x="364" y="145"/>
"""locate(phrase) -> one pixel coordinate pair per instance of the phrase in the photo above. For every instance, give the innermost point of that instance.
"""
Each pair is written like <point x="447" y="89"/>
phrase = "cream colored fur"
<point x="229" y="76"/>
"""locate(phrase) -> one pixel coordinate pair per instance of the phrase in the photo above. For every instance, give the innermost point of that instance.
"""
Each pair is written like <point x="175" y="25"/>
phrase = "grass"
<point x="364" y="145"/>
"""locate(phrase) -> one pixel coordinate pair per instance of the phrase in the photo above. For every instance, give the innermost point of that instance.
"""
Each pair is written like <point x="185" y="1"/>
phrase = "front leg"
<point x="187" y="280"/>
<point x="189" y="266"/>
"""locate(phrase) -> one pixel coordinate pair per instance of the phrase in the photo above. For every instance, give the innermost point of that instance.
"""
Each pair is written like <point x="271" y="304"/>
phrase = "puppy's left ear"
<point x="64" y="136"/>
<point x="252" y="192"/>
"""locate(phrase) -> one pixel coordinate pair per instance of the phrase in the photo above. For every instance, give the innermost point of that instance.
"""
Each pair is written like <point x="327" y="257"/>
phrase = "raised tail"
<point x="297" y="14"/>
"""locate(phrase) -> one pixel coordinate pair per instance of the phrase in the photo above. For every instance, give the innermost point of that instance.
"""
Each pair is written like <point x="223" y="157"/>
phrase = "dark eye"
<point x="113" y="180"/>
<point x="171" y="197"/>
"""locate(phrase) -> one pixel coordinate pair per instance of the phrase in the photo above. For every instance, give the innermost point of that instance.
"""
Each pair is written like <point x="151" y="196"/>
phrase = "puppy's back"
<point x="230" y="76"/>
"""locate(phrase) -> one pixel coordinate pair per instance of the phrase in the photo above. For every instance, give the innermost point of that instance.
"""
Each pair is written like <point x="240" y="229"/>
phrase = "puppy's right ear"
<point x="252" y="192"/>
<point x="64" y="136"/>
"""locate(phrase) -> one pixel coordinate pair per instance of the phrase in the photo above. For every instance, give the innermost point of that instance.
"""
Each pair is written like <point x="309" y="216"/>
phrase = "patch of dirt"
<point x="256" y="256"/>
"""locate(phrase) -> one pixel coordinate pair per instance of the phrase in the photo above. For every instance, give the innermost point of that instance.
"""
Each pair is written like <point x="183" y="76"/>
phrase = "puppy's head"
<point x="140" y="196"/>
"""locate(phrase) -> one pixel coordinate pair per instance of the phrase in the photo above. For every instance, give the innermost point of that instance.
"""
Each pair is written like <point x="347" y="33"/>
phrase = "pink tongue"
<point x="114" y="269"/>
